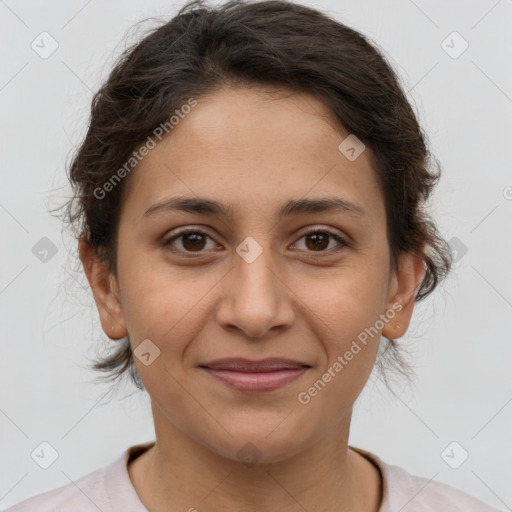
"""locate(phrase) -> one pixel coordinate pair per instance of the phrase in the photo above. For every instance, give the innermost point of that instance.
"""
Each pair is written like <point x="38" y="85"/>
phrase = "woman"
<point x="249" y="211"/>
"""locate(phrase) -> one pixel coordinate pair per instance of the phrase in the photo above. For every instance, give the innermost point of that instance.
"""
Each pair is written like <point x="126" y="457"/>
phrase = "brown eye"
<point x="319" y="240"/>
<point x="191" y="241"/>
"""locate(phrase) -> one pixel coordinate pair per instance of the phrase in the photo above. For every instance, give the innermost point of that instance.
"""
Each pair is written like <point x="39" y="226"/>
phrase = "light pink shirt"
<point x="109" y="489"/>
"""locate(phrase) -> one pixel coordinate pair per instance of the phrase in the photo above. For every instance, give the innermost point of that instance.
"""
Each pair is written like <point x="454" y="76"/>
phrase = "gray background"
<point x="460" y="339"/>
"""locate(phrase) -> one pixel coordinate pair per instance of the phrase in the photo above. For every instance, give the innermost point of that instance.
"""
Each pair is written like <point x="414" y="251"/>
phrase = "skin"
<point x="253" y="149"/>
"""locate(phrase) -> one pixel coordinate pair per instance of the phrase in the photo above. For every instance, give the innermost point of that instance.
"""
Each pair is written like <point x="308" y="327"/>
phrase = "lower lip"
<point x="261" y="381"/>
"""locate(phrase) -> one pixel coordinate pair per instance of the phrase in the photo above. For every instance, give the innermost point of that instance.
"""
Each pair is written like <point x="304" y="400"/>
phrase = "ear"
<point x="403" y="287"/>
<point x="105" y="290"/>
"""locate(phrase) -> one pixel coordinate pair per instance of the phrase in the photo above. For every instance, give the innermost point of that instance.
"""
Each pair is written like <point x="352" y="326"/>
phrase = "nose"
<point x="255" y="297"/>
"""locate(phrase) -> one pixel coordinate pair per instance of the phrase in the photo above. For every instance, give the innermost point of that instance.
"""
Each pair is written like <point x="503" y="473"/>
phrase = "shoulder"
<point x="107" y="489"/>
<point x="410" y="493"/>
<point x="85" y="494"/>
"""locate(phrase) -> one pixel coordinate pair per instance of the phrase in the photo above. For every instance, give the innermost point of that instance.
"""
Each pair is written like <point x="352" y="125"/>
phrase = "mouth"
<point x="256" y="376"/>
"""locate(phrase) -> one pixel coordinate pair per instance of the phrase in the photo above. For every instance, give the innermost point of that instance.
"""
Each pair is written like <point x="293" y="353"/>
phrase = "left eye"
<point x="195" y="241"/>
<point x="319" y="239"/>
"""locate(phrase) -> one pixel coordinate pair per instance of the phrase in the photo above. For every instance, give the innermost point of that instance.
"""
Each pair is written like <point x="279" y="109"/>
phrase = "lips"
<point x="250" y="366"/>
<point x="255" y="376"/>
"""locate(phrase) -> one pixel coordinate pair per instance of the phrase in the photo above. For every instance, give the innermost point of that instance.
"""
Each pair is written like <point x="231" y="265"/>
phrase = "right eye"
<point x="192" y="241"/>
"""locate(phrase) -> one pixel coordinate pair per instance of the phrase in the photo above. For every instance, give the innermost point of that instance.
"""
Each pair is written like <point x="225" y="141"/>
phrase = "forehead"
<point x="254" y="149"/>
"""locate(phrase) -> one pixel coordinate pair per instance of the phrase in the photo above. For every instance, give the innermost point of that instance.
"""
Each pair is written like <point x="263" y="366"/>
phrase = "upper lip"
<point x="248" y="365"/>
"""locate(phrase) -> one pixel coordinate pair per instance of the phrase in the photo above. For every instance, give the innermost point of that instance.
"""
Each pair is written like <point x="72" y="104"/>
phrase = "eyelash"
<point x="343" y="243"/>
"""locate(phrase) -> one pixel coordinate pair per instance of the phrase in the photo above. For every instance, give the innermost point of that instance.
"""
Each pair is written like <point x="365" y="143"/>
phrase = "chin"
<point x="253" y="445"/>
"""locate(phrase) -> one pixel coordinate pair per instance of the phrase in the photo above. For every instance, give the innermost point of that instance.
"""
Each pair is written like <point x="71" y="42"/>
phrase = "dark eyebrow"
<point x="293" y="207"/>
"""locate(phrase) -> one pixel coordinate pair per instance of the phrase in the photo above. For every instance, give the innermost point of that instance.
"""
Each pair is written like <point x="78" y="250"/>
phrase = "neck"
<point x="178" y="473"/>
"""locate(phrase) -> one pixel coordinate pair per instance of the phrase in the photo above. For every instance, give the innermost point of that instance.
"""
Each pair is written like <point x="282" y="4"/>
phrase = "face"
<point x="254" y="281"/>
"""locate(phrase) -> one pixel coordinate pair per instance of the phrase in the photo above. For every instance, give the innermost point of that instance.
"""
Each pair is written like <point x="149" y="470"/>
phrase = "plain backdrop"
<point x="460" y="340"/>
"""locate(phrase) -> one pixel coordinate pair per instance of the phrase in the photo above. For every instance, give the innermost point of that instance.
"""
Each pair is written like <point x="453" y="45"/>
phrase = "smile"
<point x="248" y="375"/>
<point x="257" y="381"/>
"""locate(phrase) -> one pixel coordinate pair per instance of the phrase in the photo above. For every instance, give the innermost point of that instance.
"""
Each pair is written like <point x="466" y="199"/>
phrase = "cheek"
<point x="347" y="322"/>
<point x="333" y="391"/>
<point x="165" y="306"/>
<point x="346" y="303"/>
<point x="346" y="313"/>
<point x="153" y="293"/>
<point x="351" y="348"/>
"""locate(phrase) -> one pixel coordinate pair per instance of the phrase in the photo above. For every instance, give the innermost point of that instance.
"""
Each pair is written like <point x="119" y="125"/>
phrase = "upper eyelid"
<point x="309" y="230"/>
<point x="203" y="230"/>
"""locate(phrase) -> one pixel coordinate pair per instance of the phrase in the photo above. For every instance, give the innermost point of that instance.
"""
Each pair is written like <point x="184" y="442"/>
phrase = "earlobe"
<point x="105" y="291"/>
<point x="405" y="285"/>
